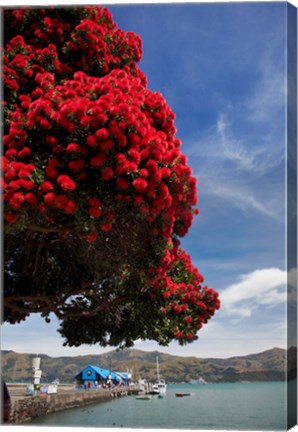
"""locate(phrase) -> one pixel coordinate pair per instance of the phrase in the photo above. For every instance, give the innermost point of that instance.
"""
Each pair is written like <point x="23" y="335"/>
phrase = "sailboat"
<point x="160" y="386"/>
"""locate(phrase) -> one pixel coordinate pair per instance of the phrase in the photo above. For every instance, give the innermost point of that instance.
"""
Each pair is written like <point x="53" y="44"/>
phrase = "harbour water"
<point x="235" y="406"/>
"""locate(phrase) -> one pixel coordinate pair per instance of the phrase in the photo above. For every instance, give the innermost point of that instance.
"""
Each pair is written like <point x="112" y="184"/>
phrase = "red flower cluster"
<point x="124" y="145"/>
<point x="93" y="45"/>
<point x="87" y="138"/>
<point x="187" y="303"/>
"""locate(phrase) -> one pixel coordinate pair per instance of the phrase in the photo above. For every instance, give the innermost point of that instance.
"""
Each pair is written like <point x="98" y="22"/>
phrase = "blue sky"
<point x="221" y="68"/>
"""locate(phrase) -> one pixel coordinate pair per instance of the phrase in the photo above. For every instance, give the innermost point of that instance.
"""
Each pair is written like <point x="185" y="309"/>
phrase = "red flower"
<point x="92" y="237"/>
<point x="139" y="199"/>
<point x="91" y="141"/>
<point x="135" y="155"/>
<point x="126" y="167"/>
<point x="31" y="198"/>
<point x="60" y="201"/>
<point x="93" y="202"/>
<point x="122" y="183"/>
<point x="51" y="172"/>
<point x="45" y="124"/>
<point x="49" y="198"/>
<point x="102" y="134"/>
<point x="106" y="227"/>
<point x="140" y="185"/>
<point x="66" y="183"/>
<point x="188" y="319"/>
<point x="179" y="334"/>
<point x="106" y="145"/>
<point x="144" y="172"/>
<point x="18" y="197"/>
<point x="51" y="140"/>
<point x="98" y="161"/>
<point x="76" y="165"/>
<point x="107" y="173"/>
<point x="46" y="186"/>
<point x="27" y="184"/>
<point x="165" y="172"/>
<point x="95" y="212"/>
<point x="25" y="152"/>
<point x="177" y="309"/>
<point x="11" y="217"/>
<point x="10" y="153"/>
<point x="73" y="148"/>
<point x="58" y="149"/>
<point x="70" y="207"/>
<point x="151" y="165"/>
<point x="14" y="204"/>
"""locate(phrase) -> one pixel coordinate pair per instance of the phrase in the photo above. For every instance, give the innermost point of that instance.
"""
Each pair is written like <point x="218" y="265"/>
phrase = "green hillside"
<point x="270" y="365"/>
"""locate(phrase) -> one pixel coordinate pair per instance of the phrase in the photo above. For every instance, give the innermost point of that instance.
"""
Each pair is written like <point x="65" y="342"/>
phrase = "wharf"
<point x="25" y="408"/>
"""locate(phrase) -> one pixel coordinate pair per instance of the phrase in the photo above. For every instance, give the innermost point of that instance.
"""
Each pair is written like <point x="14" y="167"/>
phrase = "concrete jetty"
<point x="25" y="408"/>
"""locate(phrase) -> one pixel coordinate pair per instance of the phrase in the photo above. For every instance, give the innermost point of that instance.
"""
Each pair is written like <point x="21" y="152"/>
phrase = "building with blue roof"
<point x="93" y="376"/>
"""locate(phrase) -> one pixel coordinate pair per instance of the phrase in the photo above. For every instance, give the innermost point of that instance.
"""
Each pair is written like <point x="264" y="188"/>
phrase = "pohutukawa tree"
<point x="96" y="189"/>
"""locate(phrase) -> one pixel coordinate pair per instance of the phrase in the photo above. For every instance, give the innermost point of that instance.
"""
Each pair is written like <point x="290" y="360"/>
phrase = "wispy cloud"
<point x="233" y="149"/>
<point x="244" y="149"/>
<point x="240" y="196"/>
<point x="268" y="100"/>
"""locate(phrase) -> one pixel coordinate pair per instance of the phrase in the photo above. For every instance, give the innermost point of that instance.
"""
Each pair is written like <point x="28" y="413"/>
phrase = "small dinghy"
<point x="143" y="397"/>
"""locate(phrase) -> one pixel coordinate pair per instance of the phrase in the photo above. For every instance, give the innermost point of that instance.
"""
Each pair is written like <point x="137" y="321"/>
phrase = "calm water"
<point x="257" y="406"/>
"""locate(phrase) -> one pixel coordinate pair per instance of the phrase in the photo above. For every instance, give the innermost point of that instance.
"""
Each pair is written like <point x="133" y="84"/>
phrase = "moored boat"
<point x="160" y="386"/>
<point x="143" y="397"/>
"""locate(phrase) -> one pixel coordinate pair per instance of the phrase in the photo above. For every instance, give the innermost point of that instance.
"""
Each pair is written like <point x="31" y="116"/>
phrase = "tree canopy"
<point x="96" y="189"/>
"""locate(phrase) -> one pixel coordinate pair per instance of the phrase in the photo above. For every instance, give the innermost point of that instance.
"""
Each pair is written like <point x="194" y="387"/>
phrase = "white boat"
<point x="143" y="397"/>
<point x="160" y="386"/>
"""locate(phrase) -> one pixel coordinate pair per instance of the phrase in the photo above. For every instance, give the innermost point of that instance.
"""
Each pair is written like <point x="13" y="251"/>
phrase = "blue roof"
<point x="104" y="373"/>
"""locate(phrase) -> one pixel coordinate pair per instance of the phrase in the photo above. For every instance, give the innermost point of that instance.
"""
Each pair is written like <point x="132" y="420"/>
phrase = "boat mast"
<point x="157" y="367"/>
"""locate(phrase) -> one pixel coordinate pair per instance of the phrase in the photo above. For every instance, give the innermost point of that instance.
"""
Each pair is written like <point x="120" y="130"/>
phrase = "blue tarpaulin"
<point x="124" y="376"/>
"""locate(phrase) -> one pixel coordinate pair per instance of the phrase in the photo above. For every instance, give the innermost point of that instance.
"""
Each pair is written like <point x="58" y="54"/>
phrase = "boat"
<point x="182" y="394"/>
<point x="143" y="397"/>
<point x="160" y="386"/>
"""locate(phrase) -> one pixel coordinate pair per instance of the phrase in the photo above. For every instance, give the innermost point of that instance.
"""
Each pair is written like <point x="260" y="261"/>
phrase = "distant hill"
<point x="266" y="366"/>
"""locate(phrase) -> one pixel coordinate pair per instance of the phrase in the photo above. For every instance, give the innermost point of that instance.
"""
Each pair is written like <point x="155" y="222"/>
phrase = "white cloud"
<point x="265" y="287"/>
<point x="234" y="338"/>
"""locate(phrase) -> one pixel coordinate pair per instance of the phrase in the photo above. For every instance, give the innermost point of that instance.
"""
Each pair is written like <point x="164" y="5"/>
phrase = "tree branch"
<point x="58" y="308"/>
<point x="45" y="230"/>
